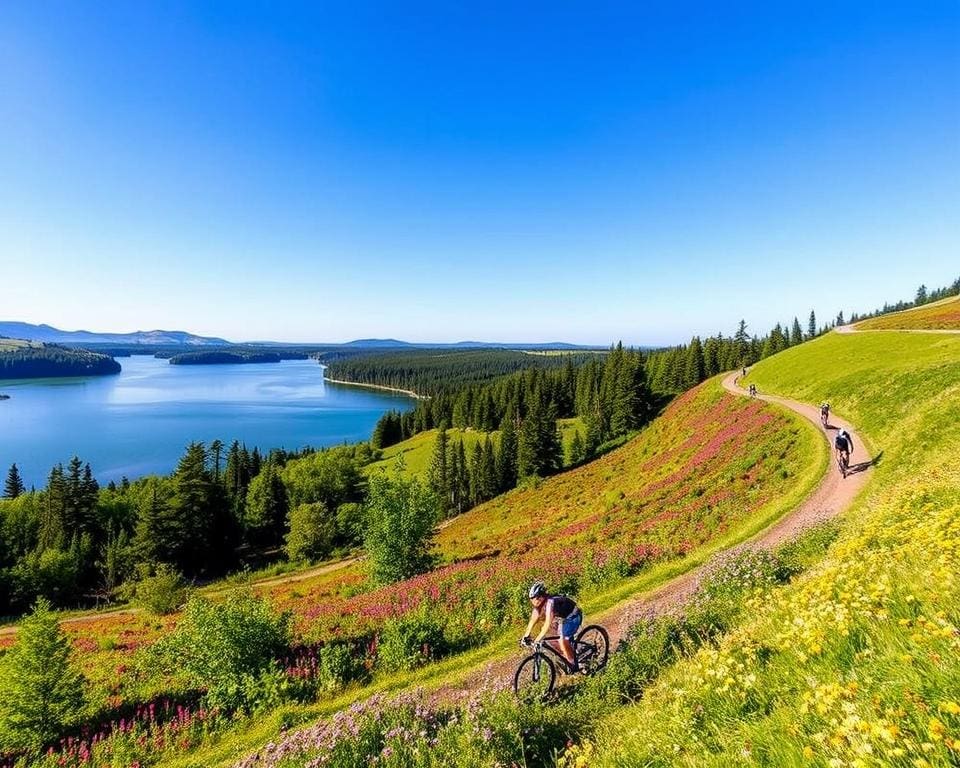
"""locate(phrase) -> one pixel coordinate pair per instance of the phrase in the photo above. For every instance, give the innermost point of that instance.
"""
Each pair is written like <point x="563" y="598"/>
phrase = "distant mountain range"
<point x="53" y="335"/>
<point x="49" y="334"/>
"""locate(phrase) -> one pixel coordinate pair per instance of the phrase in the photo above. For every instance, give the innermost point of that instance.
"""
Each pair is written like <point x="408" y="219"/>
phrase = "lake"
<point x="139" y="421"/>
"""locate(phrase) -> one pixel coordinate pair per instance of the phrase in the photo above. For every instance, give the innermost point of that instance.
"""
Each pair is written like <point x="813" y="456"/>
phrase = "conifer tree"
<point x="438" y="475"/>
<point x="459" y="478"/>
<point x="577" y="449"/>
<point x="476" y="475"/>
<point x="489" y="480"/>
<point x="507" y="456"/>
<point x="41" y="691"/>
<point x="52" y="532"/>
<point x="13" y="487"/>
<point x="812" y="325"/>
<point x="694" y="369"/>
<point x="796" y="335"/>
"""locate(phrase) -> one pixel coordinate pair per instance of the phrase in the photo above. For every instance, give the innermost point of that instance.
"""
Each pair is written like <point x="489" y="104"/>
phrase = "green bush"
<point x="162" y="593"/>
<point x="339" y="665"/>
<point x="41" y="692"/>
<point x="410" y="641"/>
<point x="400" y="518"/>
<point x="224" y="648"/>
<point x="311" y="534"/>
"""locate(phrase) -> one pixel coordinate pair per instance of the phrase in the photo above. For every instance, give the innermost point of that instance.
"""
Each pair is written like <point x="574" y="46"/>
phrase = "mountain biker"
<point x="844" y="445"/>
<point x="824" y="411"/>
<point x="554" y="608"/>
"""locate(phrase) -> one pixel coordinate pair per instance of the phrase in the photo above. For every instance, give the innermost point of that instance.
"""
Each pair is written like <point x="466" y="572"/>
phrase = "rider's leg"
<point x="568" y="628"/>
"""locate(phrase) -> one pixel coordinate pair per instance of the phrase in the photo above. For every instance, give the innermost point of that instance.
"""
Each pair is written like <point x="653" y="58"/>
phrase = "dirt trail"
<point x="831" y="496"/>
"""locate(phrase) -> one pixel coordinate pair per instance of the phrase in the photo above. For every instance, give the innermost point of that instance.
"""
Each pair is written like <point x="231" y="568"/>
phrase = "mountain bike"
<point x="843" y="462"/>
<point x="825" y="417"/>
<point x="537" y="673"/>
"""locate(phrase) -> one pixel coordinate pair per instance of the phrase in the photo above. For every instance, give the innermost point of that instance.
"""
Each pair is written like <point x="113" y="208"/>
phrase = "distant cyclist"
<point x="753" y="390"/>
<point x="825" y="413"/>
<point x="844" y="445"/>
<point x="554" y="609"/>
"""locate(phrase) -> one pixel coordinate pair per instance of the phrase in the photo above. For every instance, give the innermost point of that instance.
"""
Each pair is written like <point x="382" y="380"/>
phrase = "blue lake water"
<point x="139" y="421"/>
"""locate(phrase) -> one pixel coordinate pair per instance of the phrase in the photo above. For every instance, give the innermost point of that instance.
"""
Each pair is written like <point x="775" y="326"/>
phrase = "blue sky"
<point x="507" y="171"/>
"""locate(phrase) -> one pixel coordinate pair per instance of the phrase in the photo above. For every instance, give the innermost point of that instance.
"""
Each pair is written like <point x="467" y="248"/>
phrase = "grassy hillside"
<point x="417" y="451"/>
<point x="939" y="315"/>
<point x="713" y="469"/>
<point x="855" y="663"/>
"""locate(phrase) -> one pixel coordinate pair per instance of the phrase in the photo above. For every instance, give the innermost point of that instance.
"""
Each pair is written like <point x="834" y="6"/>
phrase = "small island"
<point x="20" y="359"/>
<point x="4" y="397"/>
<point x="224" y="357"/>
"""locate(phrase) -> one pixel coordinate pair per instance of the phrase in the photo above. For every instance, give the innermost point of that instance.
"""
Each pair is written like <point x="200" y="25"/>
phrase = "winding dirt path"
<point x="831" y="496"/>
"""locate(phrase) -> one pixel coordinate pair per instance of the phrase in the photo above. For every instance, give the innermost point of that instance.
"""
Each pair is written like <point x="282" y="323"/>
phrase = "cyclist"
<point x="825" y="412"/>
<point x="844" y="445"/>
<point x="558" y="609"/>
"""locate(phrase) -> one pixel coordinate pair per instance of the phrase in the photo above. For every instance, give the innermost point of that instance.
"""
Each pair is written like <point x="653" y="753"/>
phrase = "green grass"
<point x="856" y="662"/>
<point x="938" y="315"/>
<point x="417" y="451"/>
<point x="809" y="453"/>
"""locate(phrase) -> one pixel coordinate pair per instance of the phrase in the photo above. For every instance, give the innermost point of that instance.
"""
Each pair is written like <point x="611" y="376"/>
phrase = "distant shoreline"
<point x="408" y="392"/>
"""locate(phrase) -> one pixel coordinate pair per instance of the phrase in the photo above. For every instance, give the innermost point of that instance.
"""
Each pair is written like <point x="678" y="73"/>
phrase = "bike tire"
<point x="535" y="678"/>
<point x="592" y="648"/>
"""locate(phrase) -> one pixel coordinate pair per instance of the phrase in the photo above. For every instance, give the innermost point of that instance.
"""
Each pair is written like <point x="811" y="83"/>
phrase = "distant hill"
<point x="51" y="335"/>
<point x="397" y="344"/>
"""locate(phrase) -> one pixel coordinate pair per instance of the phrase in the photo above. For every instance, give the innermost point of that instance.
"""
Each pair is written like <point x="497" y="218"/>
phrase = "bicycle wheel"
<point x="593" y="647"/>
<point x="534" y="678"/>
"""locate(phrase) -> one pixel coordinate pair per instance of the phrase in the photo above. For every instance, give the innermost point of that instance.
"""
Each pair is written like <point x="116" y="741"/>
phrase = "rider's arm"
<point x="534" y="616"/>
<point x="547" y="619"/>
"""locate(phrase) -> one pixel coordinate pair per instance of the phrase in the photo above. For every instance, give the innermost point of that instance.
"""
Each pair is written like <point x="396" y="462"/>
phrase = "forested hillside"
<point x="29" y="360"/>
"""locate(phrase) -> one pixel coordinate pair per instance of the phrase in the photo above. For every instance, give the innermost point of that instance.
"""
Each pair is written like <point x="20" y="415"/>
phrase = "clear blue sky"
<point x="510" y="171"/>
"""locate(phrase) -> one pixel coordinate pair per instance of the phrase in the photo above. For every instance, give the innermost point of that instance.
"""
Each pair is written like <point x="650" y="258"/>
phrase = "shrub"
<point x="222" y="647"/>
<point x="400" y="518"/>
<point x="410" y="641"/>
<point x="312" y="529"/>
<point x="40" y="690"/>
<point x="162" y="593"/>
<point x="339" y="665"/>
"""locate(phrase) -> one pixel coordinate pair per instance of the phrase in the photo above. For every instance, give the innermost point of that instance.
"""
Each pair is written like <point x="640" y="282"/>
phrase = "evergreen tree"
<point x="489" y="478"/>
<point x="476" y="475"/>
<point x="695" y="369"/>
<point x="812" y="325"/>
<point x="216" y="451"/>
<point x="921" y="297"/>
<point x="438" y="475"/>
<point x="507" y="456"/>
<point x="53" y="530"/>
<point x="741" y="343"/>
<point x="796" y="335"/>
<point x="459" y="478"/>
<point x="13" y="487"/>
<point x="161" y="535"/>
<point x="577" y="449"/>
<point x="41" y="691"/>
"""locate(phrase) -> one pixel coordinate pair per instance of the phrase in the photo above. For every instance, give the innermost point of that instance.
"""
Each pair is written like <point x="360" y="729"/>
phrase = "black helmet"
<point x="538" y="589"/>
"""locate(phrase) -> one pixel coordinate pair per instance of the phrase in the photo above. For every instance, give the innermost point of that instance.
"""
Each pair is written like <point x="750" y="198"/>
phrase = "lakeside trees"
<point x="35" y="360"/>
